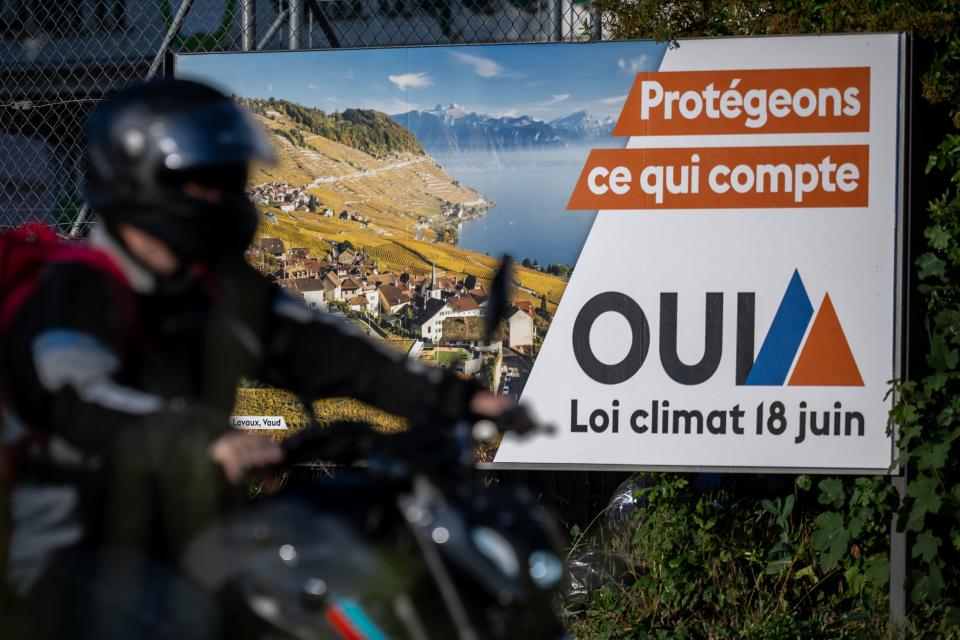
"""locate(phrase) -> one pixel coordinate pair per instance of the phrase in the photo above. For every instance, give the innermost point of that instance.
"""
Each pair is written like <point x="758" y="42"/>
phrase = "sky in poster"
<point x="544" y="81"/>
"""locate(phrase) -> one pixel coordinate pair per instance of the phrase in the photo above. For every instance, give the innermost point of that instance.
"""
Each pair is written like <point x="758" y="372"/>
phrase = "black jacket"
<point x="128" y="387"/>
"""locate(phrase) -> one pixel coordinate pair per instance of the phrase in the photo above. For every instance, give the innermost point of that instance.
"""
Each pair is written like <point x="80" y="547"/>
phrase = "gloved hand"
<point x="503" y="411"/>
<point x="456" y="398"/>
<point x="243" y="454"/>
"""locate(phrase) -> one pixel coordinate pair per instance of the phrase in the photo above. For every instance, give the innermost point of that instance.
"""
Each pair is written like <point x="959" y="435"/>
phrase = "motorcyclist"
<point x="119" y="387"/>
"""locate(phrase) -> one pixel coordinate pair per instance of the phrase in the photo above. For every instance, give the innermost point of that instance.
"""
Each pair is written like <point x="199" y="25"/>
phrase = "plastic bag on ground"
<point x="624" y="503"/>
<point x="590" y="569"/>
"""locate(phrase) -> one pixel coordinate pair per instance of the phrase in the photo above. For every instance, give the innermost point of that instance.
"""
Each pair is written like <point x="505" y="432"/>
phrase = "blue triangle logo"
<point x="783" y="340"/>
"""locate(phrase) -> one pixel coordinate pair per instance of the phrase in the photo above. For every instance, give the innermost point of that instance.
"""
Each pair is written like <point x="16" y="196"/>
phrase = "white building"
<point x="373" y="301"/>
<point x="429" y="322"/>
<point x="521" y="328"/>
<point x="313" y="292"/>
<point x="465" y="307"/>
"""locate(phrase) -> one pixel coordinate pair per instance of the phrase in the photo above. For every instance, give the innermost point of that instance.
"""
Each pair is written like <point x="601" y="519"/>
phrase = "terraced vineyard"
<point x="542" y="283"/>
<point x="394" y="257"/>
<point x="453" y="259"/>
<point x="293" y="237"/>
<point x="276" y="402"/>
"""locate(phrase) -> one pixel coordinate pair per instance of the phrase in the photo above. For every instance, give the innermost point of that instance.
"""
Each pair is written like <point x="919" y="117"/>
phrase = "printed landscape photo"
<point x="404" y="175"/>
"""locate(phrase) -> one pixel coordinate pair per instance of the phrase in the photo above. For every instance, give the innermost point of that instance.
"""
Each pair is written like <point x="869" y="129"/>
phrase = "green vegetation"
<point x="562" y="270"/>
<point x="814" y="563"/>
<point x="717" y="564"/>
<point x="295" y="136"/>
<point x="366" y="130"/>
<point x="449" y="356"/>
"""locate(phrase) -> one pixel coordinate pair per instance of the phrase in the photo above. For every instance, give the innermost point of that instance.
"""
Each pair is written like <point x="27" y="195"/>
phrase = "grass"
<point x="449" y="356"/>
<point x="691" y="564"/>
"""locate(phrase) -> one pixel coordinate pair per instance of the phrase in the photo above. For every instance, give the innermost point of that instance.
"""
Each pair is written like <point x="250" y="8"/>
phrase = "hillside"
<point x="371" y="132"/>
<point x="398" y="192"/>
<point x="401" y="199"/>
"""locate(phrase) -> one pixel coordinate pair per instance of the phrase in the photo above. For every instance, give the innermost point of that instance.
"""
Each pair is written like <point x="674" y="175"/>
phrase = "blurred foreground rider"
<point x="119" y="386"/>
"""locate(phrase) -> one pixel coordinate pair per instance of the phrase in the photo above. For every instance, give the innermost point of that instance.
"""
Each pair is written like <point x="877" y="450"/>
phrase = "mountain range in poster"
<point x="455" y="130"/>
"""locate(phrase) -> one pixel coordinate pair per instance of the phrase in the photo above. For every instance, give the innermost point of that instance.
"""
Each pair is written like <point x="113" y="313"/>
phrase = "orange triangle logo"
<point x="826" y="359"/>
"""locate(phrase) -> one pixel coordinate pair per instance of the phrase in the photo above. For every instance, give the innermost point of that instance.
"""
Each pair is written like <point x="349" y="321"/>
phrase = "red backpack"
<point x="27" y="250"/>
<point x="24" y="253"/>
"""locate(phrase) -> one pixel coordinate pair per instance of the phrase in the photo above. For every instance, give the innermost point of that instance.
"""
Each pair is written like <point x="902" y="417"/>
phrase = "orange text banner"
<point x="724" y="178"/>
<point x="824" y="100"/>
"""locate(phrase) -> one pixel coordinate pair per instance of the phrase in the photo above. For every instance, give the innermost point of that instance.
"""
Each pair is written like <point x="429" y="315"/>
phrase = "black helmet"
<point x="172" y="157"/>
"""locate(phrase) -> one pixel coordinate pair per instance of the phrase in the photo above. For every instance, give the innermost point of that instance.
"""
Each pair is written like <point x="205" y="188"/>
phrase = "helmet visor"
<point x="217" y="134"/>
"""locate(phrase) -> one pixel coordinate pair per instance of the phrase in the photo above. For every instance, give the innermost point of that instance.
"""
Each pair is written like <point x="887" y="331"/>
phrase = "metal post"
<point x="295" y="25"/>
<point x="912" y="201"/>
<point x="310" y="30"/>
<point x="324" y="23"/>
<point x="171" y="34"/>
<point x="248" y="24"/>
<point x="273" y="29"/>
<point x="898" y="563"/>
<point x="558" y="20"/>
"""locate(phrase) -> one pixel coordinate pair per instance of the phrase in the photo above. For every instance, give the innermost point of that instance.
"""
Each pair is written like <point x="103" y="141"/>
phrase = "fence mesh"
<point x="59" y="57"/>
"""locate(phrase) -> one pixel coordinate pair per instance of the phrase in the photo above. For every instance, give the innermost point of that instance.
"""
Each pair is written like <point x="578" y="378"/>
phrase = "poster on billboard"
<point x="706" y="235"/>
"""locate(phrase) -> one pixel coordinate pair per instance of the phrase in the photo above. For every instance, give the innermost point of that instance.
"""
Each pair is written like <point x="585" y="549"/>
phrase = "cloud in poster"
<point x="634" y="65"/>
<point x="411" y="80"/>
<point x="613" y="100"/>
<point x="483" y="67"/>
<point x="556" y="99"/>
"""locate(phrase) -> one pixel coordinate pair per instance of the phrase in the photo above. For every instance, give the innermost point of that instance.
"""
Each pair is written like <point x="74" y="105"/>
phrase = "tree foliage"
<point x="366" y="130"/>
<point x="848" y="531"/>
<point x="934" y="22"/>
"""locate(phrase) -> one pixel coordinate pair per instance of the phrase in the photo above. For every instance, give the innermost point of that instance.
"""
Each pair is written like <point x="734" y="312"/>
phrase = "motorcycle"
<point x="404" y="540"/>
<point x="411" y="545"/>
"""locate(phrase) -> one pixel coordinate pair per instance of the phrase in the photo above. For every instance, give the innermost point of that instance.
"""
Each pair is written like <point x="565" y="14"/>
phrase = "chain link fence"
<point x="59" y="57"/>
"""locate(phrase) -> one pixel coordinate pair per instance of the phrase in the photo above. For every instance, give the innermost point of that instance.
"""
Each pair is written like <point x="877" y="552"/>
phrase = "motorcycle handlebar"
<point x="350" y="442"/>
<point x="341" y="442"/>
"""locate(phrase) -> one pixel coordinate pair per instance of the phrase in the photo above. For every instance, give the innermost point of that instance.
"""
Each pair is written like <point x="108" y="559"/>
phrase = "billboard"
<point x="706" y="234"/>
